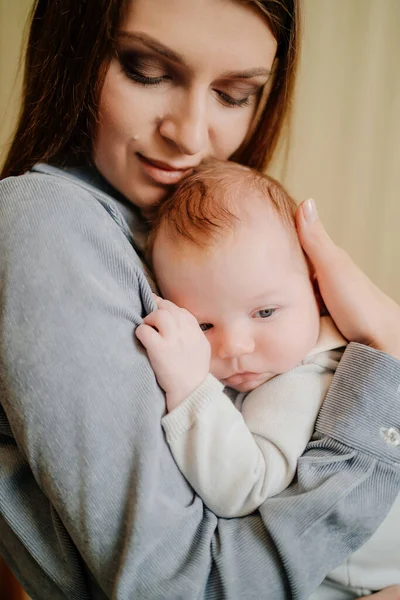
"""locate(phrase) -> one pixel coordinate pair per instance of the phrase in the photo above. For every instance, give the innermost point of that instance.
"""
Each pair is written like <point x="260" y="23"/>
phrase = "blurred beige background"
<point x="345" y="146"/>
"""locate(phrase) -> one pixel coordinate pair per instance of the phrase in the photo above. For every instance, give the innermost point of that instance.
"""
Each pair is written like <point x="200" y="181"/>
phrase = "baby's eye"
<point x="265" y="313"/>
<point x="205" y="326"/>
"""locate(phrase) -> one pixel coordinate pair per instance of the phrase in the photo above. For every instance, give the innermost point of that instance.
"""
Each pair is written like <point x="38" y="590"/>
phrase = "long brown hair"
<point x="69" y="47"/>
<point x="283" y="17"/>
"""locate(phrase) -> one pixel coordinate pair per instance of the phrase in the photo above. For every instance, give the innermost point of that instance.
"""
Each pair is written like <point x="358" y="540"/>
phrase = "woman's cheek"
<point x="234" y="134"/>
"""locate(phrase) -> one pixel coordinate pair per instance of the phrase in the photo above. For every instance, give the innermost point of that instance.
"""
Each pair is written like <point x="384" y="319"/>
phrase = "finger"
<point x="181" y="315"/>
<point x="328" y="262"/>
<point x="313" y="236"/>
<point x="362" y="312"/>
<point x="148" y="336"/>
<point x="340" y="281"/>
<point x="167" y="305"/>
<point x="333" y="266"/>
<point x="156" y="298"/>
<point x="163" y="320"/>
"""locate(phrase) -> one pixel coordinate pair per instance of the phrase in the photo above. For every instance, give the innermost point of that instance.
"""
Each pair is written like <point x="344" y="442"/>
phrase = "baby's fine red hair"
<point x="207" y="203"/>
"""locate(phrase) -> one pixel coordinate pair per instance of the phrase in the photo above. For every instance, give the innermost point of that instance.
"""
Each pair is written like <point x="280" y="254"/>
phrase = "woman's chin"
<point x="145" y="196"/>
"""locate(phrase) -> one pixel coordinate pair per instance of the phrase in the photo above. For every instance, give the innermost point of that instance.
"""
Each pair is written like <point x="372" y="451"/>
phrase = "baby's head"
<point x="224" y="246"/>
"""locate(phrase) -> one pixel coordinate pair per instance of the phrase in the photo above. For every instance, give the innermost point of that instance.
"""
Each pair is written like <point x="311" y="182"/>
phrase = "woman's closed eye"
<point x="237" y="93"/>
<point x="148" y="71"/>
<point x="142" y="69"/>
<point x="231" y="101"/>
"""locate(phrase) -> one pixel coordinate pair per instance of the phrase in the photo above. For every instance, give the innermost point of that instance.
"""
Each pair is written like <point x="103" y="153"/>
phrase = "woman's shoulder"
<point x="49" y="199"/>
<point x="44" y="191"/>
<point x="47" y="209"/>
<point x="74" y="199"/>
<point x="56" y="228"/>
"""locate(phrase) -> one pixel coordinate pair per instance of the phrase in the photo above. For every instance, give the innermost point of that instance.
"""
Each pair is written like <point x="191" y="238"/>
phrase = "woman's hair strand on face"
<point x="68" y="50"/>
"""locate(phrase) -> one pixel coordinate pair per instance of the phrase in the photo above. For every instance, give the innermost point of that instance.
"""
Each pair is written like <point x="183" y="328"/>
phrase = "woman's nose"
<point x="234" y="343"/>
<point x="186" y="125"/>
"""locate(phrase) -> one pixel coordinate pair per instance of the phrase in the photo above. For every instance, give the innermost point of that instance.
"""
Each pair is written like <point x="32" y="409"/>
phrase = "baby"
<point x="240" y="311"/>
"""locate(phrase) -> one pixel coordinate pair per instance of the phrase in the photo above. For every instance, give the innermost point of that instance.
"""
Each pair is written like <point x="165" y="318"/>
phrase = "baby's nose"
<point x="234" y="344"/>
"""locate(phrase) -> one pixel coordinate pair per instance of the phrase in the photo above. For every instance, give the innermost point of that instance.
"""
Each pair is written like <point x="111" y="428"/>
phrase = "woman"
<point x="122" y="99"/>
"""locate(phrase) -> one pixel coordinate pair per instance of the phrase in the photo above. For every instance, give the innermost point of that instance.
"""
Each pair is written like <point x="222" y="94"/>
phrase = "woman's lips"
<point x="162" y="173"/>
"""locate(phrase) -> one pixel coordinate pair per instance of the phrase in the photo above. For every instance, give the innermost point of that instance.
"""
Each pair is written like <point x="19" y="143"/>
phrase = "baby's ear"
<point x="323" y="311"/>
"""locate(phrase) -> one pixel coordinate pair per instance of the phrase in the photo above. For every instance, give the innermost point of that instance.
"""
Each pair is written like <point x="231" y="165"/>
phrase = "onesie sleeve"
<point x="92" y="503"/>
<point x="236" y="460"/>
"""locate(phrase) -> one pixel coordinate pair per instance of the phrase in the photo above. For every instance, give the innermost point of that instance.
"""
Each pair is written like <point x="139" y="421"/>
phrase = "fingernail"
<point x="310" y="211"/>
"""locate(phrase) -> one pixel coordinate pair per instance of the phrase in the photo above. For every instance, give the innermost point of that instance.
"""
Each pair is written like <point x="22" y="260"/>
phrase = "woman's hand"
<point x="178" y="350"/>
<point x="361" y="311"/>
<point x="390" y="593"/>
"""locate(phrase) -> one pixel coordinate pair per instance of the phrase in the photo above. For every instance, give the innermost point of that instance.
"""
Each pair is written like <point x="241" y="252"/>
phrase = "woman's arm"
<point x="91" y="498"/>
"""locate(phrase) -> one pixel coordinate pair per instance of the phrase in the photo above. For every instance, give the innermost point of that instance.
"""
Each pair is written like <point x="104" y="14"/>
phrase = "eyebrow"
<point x="248" y="74"/>
<point x="178" y="58"/>
<point x="154" y="45"/>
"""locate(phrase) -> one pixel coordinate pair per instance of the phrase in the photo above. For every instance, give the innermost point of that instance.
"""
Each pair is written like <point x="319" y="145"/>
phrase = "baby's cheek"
<point x="286" y="357"/>
<point x="215" y="366"/>
<point x="293" y="353"/>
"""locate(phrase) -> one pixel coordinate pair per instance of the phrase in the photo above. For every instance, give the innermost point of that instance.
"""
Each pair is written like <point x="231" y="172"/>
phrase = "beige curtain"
<point x="345" y="147"/>
<point x="13" y="16"/>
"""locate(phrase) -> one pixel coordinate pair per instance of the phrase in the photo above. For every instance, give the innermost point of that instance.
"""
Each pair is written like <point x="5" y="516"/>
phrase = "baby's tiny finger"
<point x="169" y="306"/>
<point x="146" y="335"/>
<point x="162" y="320"/>
<point x="157" y="299"/>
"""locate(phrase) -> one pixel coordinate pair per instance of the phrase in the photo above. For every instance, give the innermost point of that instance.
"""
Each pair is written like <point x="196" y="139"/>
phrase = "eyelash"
<point x="138" y="77"/>
<point x="232" y="101"/>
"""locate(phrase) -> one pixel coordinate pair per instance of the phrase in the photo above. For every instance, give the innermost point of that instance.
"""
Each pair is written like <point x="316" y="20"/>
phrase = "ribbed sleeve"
<point x="373" y="379"/>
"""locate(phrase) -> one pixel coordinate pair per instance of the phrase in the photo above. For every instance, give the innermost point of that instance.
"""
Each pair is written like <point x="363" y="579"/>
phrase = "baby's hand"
<point x="177" y="348"/>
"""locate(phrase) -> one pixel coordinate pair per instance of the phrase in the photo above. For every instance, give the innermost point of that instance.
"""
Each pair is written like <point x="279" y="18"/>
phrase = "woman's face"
<point x="184" y="86"/>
